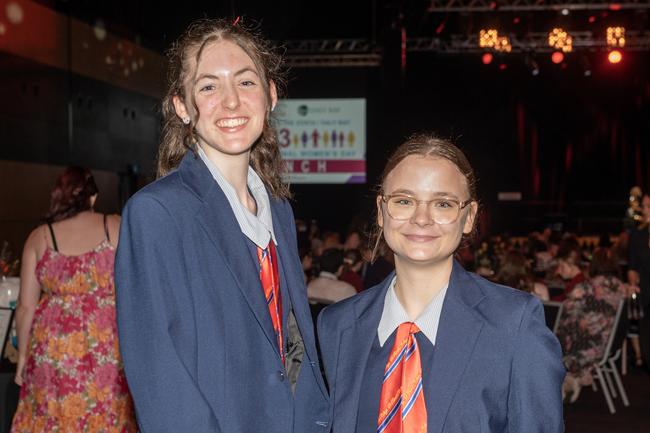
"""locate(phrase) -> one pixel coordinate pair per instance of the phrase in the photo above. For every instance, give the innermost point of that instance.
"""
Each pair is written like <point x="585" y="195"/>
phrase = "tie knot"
<point x="409" y="327"/>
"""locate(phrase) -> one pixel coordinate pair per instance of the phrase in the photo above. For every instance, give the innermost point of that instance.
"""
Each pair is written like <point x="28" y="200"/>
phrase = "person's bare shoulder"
<point x="36" y="242"/>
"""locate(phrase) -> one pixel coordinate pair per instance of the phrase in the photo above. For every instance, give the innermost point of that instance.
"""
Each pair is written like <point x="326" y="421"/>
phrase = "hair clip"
<point x="236" y="21"/>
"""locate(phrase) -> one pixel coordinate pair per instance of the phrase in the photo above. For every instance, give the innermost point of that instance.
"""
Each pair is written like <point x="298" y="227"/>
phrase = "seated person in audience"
<point x="515" y="272"/>
<point x="352" y="263"/>
<point x="545" y="259"/>
<point x="327" y="288"/>
<point x="331" y="240"/>
<point x="352" y="241"/>
<point x="568" y="269"/>
<point x="588" y="319"/>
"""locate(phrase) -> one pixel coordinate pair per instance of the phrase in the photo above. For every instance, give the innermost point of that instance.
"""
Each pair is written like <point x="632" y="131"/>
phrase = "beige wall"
<point x="25" y="197"/>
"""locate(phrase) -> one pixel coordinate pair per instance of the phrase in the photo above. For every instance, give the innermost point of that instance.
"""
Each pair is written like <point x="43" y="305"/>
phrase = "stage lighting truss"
<point x="329" y="46"/>
<point x="445" y="6"/>
<point x="361" y="60"/>
<point x="320" y="53"/>
<point x="362" y="53"/>
<point x="532" y="42"/>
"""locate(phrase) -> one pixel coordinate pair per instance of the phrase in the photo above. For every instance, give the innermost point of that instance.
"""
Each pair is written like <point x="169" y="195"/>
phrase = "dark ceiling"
<point x="156" y="24"/>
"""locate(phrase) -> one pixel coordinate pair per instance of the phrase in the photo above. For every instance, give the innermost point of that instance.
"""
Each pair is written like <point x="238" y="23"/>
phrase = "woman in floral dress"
<point x="587" y="320"/>
<point x="69" y="367"/>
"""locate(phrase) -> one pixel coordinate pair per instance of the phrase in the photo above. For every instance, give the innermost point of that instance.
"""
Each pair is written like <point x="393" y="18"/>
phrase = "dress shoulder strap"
<point x="108" y="237"/>
<point x="56" y="247"/>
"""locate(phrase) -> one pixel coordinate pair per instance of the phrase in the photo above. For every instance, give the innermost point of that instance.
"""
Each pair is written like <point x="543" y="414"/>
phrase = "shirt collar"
<point x="394" y="315"/>
<point x="328" y="275"/>
<point x="258" y="228"/>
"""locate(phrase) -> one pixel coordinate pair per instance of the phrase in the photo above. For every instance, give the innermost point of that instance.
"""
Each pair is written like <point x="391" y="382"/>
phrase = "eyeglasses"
<point x="442" y="210"/>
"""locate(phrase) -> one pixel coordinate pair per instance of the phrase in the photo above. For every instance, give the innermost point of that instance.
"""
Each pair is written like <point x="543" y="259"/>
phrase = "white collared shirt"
<point x="394" y="315"/>
<point x="327" y="288"/>
<point x="258" y="228"/>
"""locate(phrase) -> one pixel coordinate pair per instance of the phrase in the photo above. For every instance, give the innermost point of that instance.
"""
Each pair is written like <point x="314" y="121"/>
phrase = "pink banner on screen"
<point x="326" y="166"/>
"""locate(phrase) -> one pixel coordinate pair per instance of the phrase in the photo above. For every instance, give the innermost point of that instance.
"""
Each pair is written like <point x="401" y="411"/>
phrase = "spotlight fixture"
<point x="615" y="56"/>
<point x="487" y="58"/>
<point x="503" y="44"/>
<point x="488" y="38"/>
<point x="531" y="64"/>
<point x="616" y="37"/>
<point x="557" y="57"/>
<point x="561" y="40"/>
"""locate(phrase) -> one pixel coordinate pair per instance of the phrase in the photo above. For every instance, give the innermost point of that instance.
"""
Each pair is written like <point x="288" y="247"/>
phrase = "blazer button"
<point x="281" y="376"/>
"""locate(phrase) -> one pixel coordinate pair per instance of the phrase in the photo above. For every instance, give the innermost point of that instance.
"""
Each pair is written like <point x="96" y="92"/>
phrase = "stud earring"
<point x="186" y="120"/>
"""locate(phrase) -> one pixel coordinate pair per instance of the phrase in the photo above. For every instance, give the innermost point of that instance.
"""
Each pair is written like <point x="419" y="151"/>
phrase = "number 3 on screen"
<point x="284" y="137"/>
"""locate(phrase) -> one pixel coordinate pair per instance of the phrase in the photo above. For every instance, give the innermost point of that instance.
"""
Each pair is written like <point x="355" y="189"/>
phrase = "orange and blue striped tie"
<point x="271" y="284"/>
<point x="401" y="405"/>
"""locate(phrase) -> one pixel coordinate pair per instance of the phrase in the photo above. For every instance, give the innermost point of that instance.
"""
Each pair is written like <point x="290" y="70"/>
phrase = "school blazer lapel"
<point x="220" y="226"/>
<point x="458" y="332"/>
<point x="295" y="283"/>
<point x="354" y="348"/>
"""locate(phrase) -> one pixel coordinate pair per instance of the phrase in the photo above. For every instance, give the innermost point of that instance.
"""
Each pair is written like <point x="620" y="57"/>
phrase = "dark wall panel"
<point x="60" y="118"/>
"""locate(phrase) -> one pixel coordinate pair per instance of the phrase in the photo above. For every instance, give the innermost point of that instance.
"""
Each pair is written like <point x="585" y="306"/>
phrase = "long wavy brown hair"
<point x="423" y="144"/>
<point x="179" y="138"/>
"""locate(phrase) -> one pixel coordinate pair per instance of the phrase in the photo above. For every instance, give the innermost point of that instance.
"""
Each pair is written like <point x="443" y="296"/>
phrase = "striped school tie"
<point x="401" y="405"/>
<point x="271" y="285"/>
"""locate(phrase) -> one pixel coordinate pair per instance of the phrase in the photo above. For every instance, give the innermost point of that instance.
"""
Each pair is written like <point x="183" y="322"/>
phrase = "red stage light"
<point x="503" y="66"/>
<point x="516" y="20"/>
<point x="487" y="58"/>
<point x="557" y="57"/>
<point x="615" y="7"/>
<point x="615" y="56"/>
<point x="592" y="19"/>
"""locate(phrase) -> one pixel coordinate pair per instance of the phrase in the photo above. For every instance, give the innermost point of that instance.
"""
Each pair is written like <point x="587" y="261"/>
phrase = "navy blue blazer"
<point x="198" y="345"/>
<point x="496" y="367"/>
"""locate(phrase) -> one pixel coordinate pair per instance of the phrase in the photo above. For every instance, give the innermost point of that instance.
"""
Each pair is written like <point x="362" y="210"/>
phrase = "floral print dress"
<point x="586" y="323"/>
<point x="73" y="379"/>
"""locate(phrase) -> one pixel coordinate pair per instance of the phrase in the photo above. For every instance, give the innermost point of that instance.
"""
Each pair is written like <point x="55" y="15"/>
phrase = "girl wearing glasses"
<point x="434" y="348"/>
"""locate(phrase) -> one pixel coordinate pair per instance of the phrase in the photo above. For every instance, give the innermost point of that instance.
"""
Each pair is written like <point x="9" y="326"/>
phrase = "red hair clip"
<point x="236" y="21"/>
